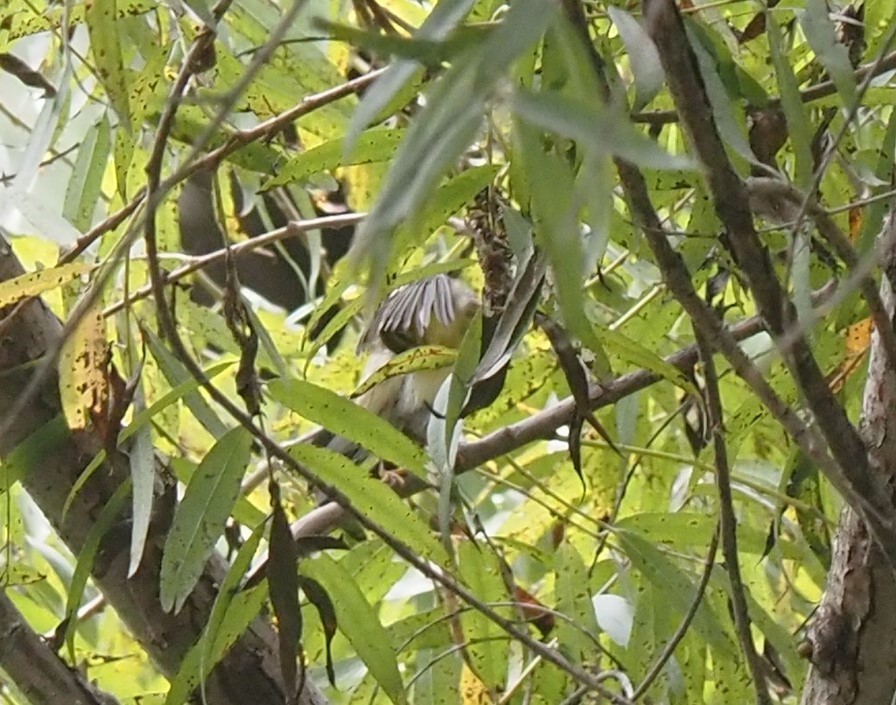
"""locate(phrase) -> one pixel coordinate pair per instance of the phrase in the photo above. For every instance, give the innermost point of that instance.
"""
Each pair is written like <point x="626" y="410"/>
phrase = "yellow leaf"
<point x="473" y="690"/>
<point x="425" y="357"/>
<point x="36" y="283"/>
<point x="83" y="383"/>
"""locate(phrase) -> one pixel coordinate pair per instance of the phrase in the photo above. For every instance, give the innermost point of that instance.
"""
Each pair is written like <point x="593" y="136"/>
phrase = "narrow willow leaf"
<point x="554" y="211"/>
<point x="375" y="145"/>
<point x="200" y="517"/>
<point x="36" y="283"/>
<point x="722" y="102"/>
<point x="832" y="54"/>
<point x="83" y="385"/>
<point x="445" y="16"/>
<point x="241" y="611"/>
<point x="177" y="374"/>
<point x="426" y="357"/>
<point x="208" y="643"/>
<point x="105" y="50"/>
<point x="640" y="356"/>
<point x="85" y="184"/>
<point x="791" y="102"/>
<point x="372" y="498"/>
<point x="576" y="636"/>
<point x="24" y="21"/>
<point x="349" y="420"/>
<point x="594" y="125"/>
<point x="143" y="473"/>
<point x="643" y="57"/>
<point x="283" y="588"/>
<point x="680" y="588"/>
<point x="487" y="644"/>
<point x="146" y="89"/>
<point x="359" y="623"/>
<point x="104" y="522"/>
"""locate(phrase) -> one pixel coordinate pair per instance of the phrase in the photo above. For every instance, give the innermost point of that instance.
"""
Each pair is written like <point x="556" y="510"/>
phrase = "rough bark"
<point x="26" y="334"/>
<point x="853" y="635"/>
<point x="37" y="671"/>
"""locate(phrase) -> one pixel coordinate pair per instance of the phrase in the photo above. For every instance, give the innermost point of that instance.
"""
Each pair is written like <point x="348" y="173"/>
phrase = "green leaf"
<point x="642" y="55"/>
<point x="372" y="498"/>
<point x="200" y="517"/>
<point x="832" y="54"/>
<point x="375" y="145"/>
<point x="791" y="102"/>
<point x="349" y="420"/>
<point x="678" y="586"/>
<point x="241" y="611"/>
<point x="143" y="474"/>
<point x="86" y="556"/>
<point x="726" y="105"/>
<point x="36" y="283"/>
<point x="359" y="623"/>
<point x="176" y="374"/>
<point x="85" y="184"/>
<point x="640" y="356"/>
<point x="593" y="125"/>
<point x="443" y="18"/>
<point x="554" y="209"/>
<point x="425" y="357"/>
<point x="487" y="644"/>
<point x="105" y="50"/>
<point x="572" y="588"/>
<point x="208" y="650"/>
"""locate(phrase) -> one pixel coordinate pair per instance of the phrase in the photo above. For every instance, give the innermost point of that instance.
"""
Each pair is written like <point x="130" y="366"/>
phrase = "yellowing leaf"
<point x="473" y="690"/>
<point x="425" y="357"/>
<point x="83" y="384"/>
<point x="36" y="283"/>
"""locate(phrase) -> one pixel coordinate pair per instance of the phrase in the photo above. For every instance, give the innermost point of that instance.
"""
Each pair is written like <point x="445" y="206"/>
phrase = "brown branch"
<point x="728" y="521"/>
<point x="155" y="189"/>
<point x="36" y="669"/>
<point x="291" y="229"/>
<point x="854" y="478"/>
<point x="816" y="92"/>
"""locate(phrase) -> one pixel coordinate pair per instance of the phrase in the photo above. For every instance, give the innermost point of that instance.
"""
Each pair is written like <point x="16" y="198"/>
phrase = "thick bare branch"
<point x="36" y="669"/>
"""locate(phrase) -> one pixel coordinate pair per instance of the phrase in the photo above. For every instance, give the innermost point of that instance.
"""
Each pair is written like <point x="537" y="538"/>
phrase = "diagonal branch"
<point x="38" y="672"/>
<point x="854" y="478"/>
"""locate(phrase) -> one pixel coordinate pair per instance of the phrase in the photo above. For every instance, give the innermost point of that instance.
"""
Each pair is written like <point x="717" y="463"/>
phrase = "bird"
<point x="435" y="310"/>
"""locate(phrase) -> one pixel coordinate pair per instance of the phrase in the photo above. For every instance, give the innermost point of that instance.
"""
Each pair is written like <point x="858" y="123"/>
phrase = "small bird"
<point x="436" y="310"/>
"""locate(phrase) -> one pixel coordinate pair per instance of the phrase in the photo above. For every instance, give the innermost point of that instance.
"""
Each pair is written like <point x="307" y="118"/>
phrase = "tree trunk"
<point x="853" y="635"/>
<point x="251" y="667"/>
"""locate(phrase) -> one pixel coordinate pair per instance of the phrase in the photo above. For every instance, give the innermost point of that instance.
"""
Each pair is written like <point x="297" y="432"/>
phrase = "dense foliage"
<point x="180" y="184"/>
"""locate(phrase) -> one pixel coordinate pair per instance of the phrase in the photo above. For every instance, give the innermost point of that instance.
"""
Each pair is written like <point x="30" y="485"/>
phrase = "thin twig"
<point x="194" y="264"/>
<point x="816" y="92"/>
<point x="728" y="521"/>
<point x="686" y="621"/>
<point x="851" y="472"/>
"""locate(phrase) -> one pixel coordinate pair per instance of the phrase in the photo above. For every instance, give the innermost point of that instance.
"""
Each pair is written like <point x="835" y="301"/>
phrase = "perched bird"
<point x="432" y="311"/>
